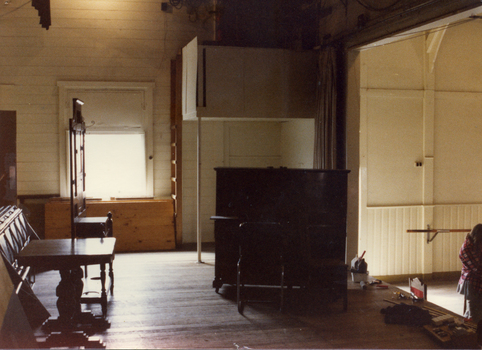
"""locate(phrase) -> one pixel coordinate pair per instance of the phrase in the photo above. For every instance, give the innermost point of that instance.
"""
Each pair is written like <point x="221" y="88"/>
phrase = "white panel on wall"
<point x="390" y="250"/>
<point x="297" y="143"/>
<point x="461" y="43"/>
<point x="252" y="83"/>
<point x="212" y="155"/>
<point x="189" y="79"/>
<point x="394" y="144"/>
<point x="458" y="130"/>
<point x="224" y="83"/>
<point x="447" y="245"/>
<point x="189" y="173"/>
<point x="395" y="66"/>
<point x="253" y="144"/>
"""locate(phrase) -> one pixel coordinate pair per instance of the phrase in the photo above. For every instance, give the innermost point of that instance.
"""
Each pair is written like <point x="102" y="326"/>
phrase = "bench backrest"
<point x="15" y="233"/>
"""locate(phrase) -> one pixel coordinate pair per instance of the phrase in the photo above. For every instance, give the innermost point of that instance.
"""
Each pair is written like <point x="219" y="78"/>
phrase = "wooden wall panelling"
<point x="255" y="83"/>
<point x="121" y="45"/>
<point x="447" y="245"/>
<point x="393" y="251"/>
<point x="138" y="225"/>
<point x="390" y="250"/>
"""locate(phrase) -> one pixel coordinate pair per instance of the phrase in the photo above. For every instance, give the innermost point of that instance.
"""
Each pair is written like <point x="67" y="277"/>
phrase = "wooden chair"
<point x="96" y="227"/>
<point x="82" y="226"/>
<point x="260" y="260"/>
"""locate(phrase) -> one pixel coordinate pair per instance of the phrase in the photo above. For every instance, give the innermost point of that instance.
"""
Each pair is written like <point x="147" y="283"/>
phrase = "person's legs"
<point x="474" y="305"/>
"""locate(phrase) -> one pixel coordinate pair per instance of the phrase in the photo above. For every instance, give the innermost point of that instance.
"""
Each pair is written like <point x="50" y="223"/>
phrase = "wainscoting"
<point x="392" y="251"/>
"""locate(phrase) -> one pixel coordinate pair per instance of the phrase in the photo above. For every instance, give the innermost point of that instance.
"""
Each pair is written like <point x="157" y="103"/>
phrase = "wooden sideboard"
<point x="139" y="225"/>
<point x="309" y="207"/>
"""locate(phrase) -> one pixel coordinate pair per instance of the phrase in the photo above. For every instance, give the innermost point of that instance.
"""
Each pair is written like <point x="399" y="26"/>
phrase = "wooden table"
<point x="67" y="256"/>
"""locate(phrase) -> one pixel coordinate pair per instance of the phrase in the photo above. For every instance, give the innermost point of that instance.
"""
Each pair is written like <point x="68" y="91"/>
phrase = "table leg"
<point x="71" y="317"/>
<point x="111" y="275"/>
<point x="69" y="292"/>
<point x="104" y="291"/>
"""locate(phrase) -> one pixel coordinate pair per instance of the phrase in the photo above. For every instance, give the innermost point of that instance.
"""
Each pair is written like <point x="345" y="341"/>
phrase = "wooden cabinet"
<point x="309" y="205"/>
<point x="140" y="225"/>
<point x="240" y="82"/>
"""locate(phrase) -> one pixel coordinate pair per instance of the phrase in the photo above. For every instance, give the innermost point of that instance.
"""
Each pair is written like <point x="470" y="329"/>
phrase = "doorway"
<point x="8" y="158"/>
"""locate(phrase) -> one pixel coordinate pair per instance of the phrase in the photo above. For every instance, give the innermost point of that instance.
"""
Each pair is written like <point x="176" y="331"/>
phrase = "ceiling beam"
<point x="411" y="19"/>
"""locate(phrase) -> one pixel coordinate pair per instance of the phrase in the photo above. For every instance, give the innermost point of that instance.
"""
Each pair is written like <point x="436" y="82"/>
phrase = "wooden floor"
<point x="444" y="293"/>
<point x="166" y="300"/>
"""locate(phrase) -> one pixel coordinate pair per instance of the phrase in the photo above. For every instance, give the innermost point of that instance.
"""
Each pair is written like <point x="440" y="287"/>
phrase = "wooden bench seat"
<point x="15" y="234"/>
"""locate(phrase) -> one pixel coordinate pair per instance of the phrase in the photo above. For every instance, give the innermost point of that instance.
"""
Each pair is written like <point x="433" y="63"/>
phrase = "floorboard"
<point x="443" y="293"/>
<point x="166" y="300"/>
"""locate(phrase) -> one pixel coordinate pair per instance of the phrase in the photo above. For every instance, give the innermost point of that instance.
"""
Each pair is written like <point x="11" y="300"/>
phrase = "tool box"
<point x="454" y="336"/>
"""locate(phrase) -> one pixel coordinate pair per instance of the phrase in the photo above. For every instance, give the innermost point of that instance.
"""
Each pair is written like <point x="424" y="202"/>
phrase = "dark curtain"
<point x="329" y="120"/>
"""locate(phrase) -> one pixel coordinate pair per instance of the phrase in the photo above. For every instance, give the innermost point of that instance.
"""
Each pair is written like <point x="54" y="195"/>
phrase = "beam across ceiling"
<point x="426" y="15"/>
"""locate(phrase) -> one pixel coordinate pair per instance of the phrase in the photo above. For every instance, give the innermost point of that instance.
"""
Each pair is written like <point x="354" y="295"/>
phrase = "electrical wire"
<point x="15" y="9"/>
<point x="188" y="3"/>
<point x="176" y="3"/>
<point x="197" y="9"/>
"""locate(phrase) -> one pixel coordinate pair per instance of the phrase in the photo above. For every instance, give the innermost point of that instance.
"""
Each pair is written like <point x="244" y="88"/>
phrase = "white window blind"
<point x="119" y="139"/>
<point x="115" y="165"/>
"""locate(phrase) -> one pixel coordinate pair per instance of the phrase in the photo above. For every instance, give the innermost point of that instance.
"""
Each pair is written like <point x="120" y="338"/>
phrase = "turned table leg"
<point x="69" y="292"/>
<point x="111" y="276"/>
<point x="104" y="291"/>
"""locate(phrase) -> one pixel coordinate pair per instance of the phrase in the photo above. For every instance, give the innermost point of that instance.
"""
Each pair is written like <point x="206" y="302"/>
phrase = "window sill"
<point x="115" y="200"/>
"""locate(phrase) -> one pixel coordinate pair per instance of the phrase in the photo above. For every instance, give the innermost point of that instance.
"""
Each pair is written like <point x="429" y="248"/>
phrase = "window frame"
<point x="70" y="89"/>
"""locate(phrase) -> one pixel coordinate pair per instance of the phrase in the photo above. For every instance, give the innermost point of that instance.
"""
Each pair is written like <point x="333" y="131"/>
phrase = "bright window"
<point x="119" y="141"/>
<point x="115" y="165"/>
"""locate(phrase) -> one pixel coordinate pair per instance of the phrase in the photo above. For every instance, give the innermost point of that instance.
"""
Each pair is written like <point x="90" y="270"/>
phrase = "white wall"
<point x="286" y="143"/>
<point x="212" y="138"/>
<point x="297" y="146"/>
<point x="421" y="101"/>
<point x="96" y="40"/>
